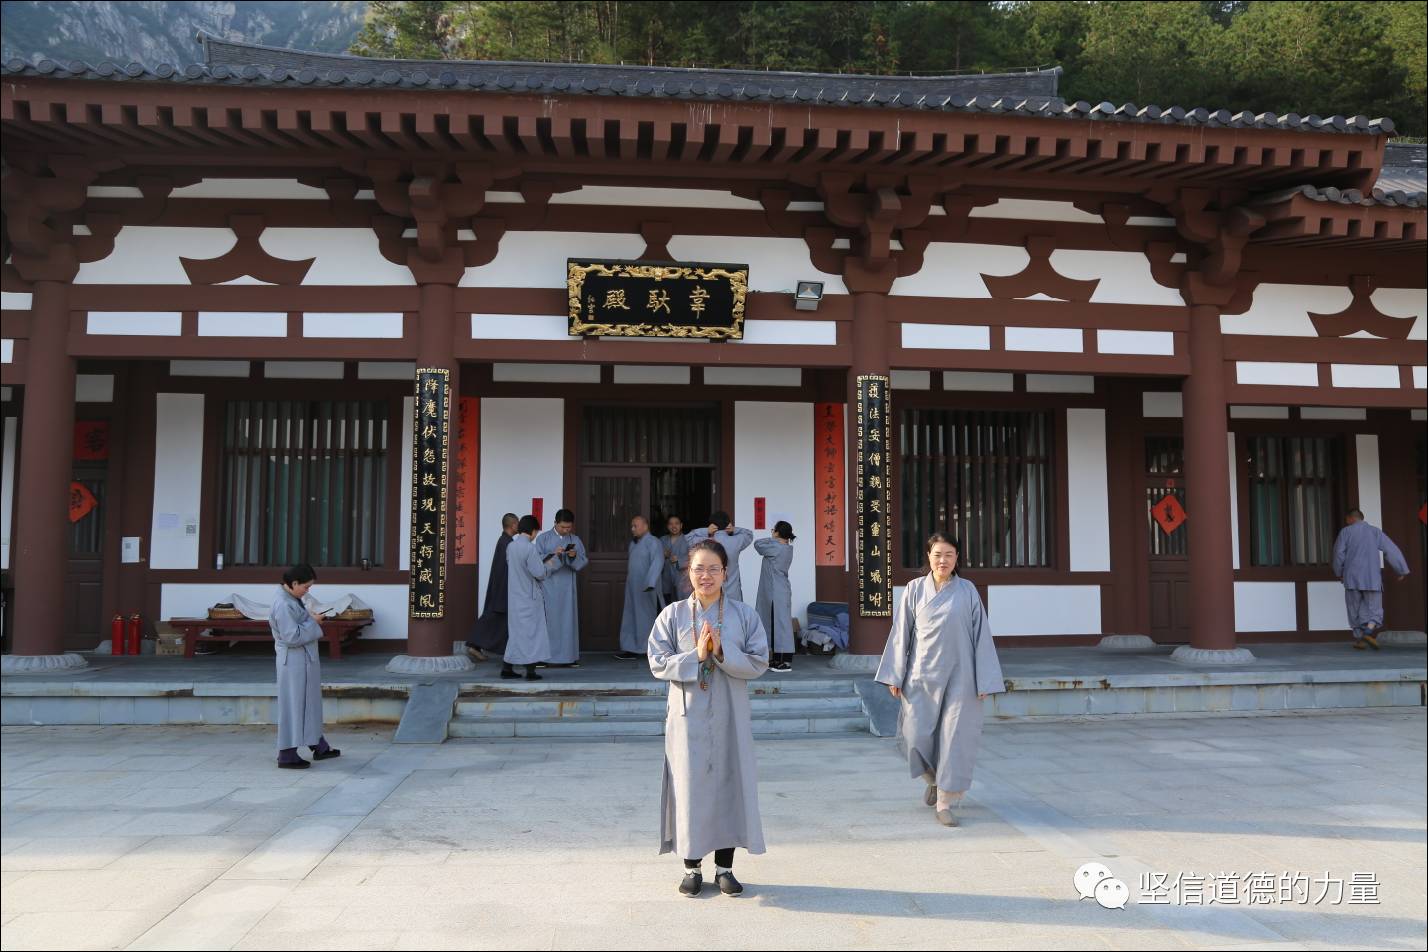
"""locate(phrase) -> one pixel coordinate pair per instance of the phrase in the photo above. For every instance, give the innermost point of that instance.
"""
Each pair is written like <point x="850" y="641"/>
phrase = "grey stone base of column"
<point x="1185" y="654"/>
<point x="41" y="664"/>
<point x="449" y="664"/>
<point x="1405" y="638"/>
<point x="1126" y="643"/>
<point x="854" y="662"/>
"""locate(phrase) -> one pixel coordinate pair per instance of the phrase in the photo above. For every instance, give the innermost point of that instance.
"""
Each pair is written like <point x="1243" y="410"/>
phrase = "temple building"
<point x="1140" y="360"/>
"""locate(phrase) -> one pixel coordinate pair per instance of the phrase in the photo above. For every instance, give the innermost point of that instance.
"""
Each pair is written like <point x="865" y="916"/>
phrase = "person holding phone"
<point x="562" y="610"/>
<point x="708" y="647"/>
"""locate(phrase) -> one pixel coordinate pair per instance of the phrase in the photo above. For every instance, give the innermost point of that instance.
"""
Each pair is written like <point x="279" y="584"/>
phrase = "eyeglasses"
<point x="716" y="570"/>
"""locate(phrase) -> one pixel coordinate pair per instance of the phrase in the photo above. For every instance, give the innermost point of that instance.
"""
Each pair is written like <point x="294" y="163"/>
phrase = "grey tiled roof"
<point x="1347" y="196"/>
<point x="1405" y="168"/>
<point x="1031" y="93"/>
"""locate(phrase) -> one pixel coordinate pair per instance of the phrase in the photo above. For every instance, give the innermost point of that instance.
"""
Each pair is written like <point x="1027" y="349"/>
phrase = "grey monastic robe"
<point x="710" y="799"/>
<point x="733" y="545"/>
<point x="490" y="634"/>
<point x="775" y="600"/>
<point x="676" y="573"/>
<point x="528" y="640"/>
<point x="940" y="654"/>
<point x="1356" y="557"/>
<point x="562" y="613"/>
<point x="295" y="638"/>
<point x="642" y="594"/>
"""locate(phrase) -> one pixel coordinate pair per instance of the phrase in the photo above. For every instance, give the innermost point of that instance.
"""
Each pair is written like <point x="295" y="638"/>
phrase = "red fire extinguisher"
<point x="134" y="633"/>
<point x="116" y="635"/>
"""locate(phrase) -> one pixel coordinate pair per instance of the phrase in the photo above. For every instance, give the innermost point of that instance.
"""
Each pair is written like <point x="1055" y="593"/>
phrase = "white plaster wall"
<point x="1327" y="611"/>
<point x="1282" y="310"/>
<point x="823" y="333"/>
<point x="178" y="481"/>
<point x="344" y="255"/>
<point x="388" y="602"/>
<point x="1405" y="302"/>
<point x="522" y="457"/>
<point x="16" y="300"/>
<point x="148" y="254"/>
<point x="536" y="259"/>
<point x="1370" y="376"/>
<point x="955" y="269"/>
<point x="1162" y="403"/>
<point x="773" y="458"/>
<point x="1044" y="609"/>
<point x="331" y="324"/>
<point x="242" y="324"/>
<point x="1265" y="606"/>
<point x="1125" y="276"/>
<point x="1088" y="490"/>
<point x="520" y="327"/>
<point x="1276" y="373"/>
<point x="947" y="336"/>
<point x="621" y="195"/>
<point x="775" y="264"/>
<point x="1370" y="487"/>
<point x="250" y="188"/>
<point x="130" y="323"/>
<point x="1030" y="209"/>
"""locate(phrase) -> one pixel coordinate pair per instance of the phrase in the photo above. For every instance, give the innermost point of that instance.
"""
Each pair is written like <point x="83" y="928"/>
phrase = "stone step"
<point x="764" y="686"/>
<point x="653" y="706"/>
<point x="634" y="725"/>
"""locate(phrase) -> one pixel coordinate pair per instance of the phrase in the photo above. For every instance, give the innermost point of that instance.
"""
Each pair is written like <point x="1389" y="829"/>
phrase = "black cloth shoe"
<point x="509" y="672"/>
<point x="289" y="759"/>
<point x="627" y="656"/>
<point x="692" y="883"/>
<point x="728" y="885"/>
<point x="324" y="751"/>
<point x="531" y="673"/>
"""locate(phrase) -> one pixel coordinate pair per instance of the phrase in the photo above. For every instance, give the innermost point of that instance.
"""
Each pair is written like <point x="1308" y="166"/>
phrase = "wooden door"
<point x="609" y="498"/>
<point x="84" y="623"/>
<point x="1169" y="551"/>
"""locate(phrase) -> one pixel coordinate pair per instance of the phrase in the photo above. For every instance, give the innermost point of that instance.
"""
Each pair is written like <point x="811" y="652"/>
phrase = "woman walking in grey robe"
<point x="775" y="600"/>
<point x="296" y="632"/>
<point x="708" y="647"/>
<point x="940" y="662"/>
<point x="528" y="642"/>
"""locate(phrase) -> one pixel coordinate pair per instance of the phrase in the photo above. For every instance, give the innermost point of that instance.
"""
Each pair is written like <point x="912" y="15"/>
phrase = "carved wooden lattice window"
<point x="303" y="481"/>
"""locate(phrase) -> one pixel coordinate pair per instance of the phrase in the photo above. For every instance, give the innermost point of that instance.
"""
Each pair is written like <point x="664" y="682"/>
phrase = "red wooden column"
<point x="42" y="518"/>
<point x="866" y="634"/>
<point x="1207" y="461"/>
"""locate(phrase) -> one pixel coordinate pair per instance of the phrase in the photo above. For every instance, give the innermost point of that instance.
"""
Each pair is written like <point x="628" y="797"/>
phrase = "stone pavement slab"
<point x="542" y="844"/>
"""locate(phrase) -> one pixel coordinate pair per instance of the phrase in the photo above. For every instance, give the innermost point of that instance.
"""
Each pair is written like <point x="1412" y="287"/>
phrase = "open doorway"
<point x="637" y="460"/>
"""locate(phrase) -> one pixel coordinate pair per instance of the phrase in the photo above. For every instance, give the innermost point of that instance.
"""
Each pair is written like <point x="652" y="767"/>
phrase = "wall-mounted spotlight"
<point x="808" y="295"/>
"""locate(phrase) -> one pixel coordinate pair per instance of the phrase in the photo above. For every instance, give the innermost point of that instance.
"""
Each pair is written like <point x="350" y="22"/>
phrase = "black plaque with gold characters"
<point x="429" y="469"/>
<point x="657" y="299"/>
<point x="874" y="553"/>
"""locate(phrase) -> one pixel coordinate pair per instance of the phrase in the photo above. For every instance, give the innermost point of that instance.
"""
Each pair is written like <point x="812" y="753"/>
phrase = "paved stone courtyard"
<point x="187" y="838"/>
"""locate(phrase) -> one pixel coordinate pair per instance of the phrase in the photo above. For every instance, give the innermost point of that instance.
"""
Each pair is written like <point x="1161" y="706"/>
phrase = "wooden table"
<point x="334" y="631"/>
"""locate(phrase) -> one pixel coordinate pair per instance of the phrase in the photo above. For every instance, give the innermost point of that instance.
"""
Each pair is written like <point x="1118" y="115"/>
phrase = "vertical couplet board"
<point x="874" y="556"/>
<point x="429" y="471"/>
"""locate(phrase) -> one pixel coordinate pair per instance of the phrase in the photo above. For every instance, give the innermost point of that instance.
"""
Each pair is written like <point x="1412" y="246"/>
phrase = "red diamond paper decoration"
<point x="81" y="501"/>
<point x="1423" y="513"/>
<point x="1168" y="514"/>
